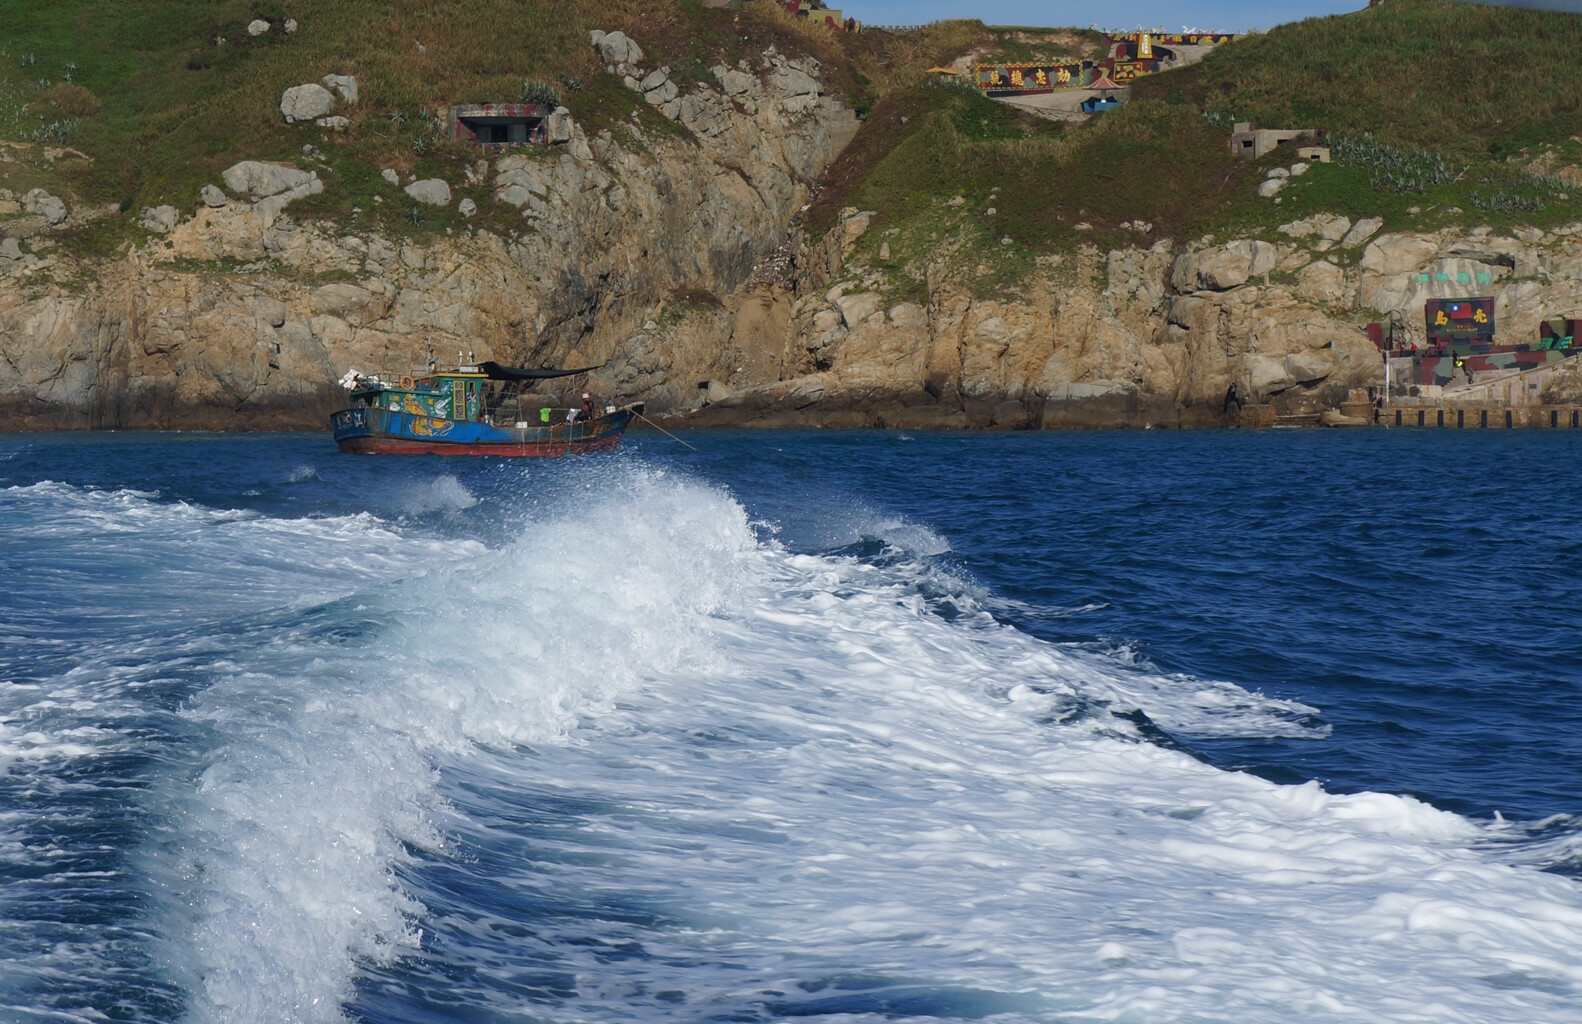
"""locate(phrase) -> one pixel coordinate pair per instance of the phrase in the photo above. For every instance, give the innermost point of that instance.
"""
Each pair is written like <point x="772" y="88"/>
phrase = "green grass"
<point x="176" y="106"/>
<point x="1471" y="81"/>
<point x="1481" y="90"/>
<point x="1442" y="106"/>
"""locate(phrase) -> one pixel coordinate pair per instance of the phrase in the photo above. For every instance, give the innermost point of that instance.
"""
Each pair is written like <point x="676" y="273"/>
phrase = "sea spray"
<point x="645" y="759"/>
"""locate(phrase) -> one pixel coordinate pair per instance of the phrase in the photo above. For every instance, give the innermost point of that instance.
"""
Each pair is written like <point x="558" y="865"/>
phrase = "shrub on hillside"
<point x="540" y="94"/>
<point x="70" y="100"/>
<point x="1391" y="169"/>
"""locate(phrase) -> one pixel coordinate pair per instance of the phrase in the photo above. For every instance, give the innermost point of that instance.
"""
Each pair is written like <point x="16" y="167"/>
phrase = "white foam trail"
<point x="814" y="777"/>
<point x="443" y="493"/>
<point x="121" y="584"/>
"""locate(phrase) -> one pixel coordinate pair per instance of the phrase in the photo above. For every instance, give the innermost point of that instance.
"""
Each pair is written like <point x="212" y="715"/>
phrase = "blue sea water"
<point x="1219" y="726"/>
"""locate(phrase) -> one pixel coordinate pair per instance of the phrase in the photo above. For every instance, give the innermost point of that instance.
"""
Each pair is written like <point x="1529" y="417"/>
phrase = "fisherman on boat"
<point x="472" y="409"/>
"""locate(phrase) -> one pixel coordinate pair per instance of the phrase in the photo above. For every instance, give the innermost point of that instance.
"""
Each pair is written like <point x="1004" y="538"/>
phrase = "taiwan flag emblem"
<point x="1459" y="310"/>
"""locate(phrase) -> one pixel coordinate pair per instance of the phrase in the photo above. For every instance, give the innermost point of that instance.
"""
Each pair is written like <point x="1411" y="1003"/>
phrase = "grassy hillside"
<point x="161" y="95"/>
<point x="1442" y="108"/>
<point x="1468" y="80"/>
<point x="1448" y="108"/>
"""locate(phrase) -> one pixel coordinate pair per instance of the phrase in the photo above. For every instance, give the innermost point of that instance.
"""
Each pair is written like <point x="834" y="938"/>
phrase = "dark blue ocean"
<point x="884" y="726"/>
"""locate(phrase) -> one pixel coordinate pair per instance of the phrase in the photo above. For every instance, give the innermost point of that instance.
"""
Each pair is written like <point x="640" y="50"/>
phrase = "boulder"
<point x="662" y="95"/>
<point x="1331" y="227"/>
<point x="291" y="25"/>
<point x="51" y="208"/>
<point x="1335" y="418"/>
<point x="1298" y="169"/>
<point x="467" y="207"/>
<point x="305" y="102"/>
<point x="1361" y="231"/>
<point x="856" y="308"/>
<point x="256" y="179"/>
<point x="10" y="250"/>
<point x="559" y="128"/>
<point x="1322" y="282"/>
<point x="352" y="303"/>
<point x="159" y="219"/>
<point x="433" y="191"/>
<point x="1270" y="187"/>
<point x="335" y="122"/>
<point x="1397" y="254"/>
<point x="1310" y="366"/>
<point x="1224" y="268"/>
<point x="257" y="27"/>
<point x="616" y="48"/>
<point x="793" y="82"/>
<point x="211" y="197"/>
<point x="390" y="175"/>
<point x="732" y="81"/>
<point x="344" y="86"/>
<point x="1278" y="172"/>
<point x="269" y="207"/>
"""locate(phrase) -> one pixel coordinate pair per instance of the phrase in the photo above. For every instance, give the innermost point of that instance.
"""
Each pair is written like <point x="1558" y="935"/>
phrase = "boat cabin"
<point x="485" y="393"/>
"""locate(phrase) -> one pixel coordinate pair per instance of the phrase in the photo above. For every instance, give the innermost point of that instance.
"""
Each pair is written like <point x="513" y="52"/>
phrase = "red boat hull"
<point x="405" y="446"/>
<point x="365" y="431"/>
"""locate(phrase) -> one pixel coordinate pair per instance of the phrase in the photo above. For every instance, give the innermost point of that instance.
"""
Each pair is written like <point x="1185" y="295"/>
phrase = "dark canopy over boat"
<point x="473" y="410"/>
<point x="494" y="371"/>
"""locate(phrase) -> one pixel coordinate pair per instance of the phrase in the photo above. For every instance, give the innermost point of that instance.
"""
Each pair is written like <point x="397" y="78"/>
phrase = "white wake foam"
<point x="811" y="776"/>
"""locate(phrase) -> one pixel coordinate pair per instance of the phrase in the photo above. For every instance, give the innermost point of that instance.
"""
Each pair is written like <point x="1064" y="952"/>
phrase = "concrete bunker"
<point x="499" y="125"/>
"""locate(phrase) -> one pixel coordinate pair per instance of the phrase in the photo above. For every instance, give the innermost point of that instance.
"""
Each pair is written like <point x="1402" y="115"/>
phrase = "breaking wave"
<point x="647" y="760"/>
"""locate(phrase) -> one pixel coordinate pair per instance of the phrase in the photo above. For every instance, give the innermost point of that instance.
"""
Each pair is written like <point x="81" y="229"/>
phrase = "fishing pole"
<point x="662" y="430"/>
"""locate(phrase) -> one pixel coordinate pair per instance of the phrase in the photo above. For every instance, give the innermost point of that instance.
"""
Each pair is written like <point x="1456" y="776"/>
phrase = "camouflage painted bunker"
<point x="499" y="125"/>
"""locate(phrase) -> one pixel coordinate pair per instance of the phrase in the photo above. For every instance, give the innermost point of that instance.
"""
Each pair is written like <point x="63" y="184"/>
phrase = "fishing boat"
<point x="472" y="410"/>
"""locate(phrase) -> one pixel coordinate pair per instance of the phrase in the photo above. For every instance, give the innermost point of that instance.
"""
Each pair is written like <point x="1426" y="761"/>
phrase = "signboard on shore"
<point x="1470" y="319"/>
<point x="1029" y="79"/>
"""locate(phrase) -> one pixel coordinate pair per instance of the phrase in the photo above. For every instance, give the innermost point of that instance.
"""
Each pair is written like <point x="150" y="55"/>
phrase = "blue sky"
<point x="1225" y="15"/>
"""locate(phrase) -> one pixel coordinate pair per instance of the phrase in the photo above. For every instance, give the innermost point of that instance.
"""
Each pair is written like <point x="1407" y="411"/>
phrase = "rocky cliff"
<point x="235" y="315"/>
<point x="1207" y="333"/>
<point x="676" y="260"/>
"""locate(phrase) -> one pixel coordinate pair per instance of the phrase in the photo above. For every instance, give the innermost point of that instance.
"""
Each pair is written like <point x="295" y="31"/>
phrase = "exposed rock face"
<point x="159" y="219"/>
<point x="607" y="236"/>
<point x="344" y="86"/>
<point x="256" y="179"/>
<point x="670" y="263"/>
<point x="433" y="191"/>
<point x="1221" y="269"/>
<point x="50" y="207"/>
<point x="1134" y="337"/>
<point x="617" y="48"/>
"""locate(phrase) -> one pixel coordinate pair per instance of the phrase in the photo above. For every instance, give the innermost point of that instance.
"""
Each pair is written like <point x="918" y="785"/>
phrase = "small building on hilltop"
<point x="1249" y="142"/>
<point x="817" y="13"/>
<point x="1105" y="100"/>
<point x="499" y="125"/>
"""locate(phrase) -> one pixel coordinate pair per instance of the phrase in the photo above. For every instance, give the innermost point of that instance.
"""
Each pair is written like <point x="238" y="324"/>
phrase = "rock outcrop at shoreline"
<point x="1199" y="335"/>
<point x="242" y="318"/>
<point x="678" y="264"/>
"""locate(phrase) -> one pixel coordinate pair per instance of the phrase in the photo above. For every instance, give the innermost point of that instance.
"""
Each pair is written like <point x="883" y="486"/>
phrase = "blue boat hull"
<point x="386" y="432"/>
